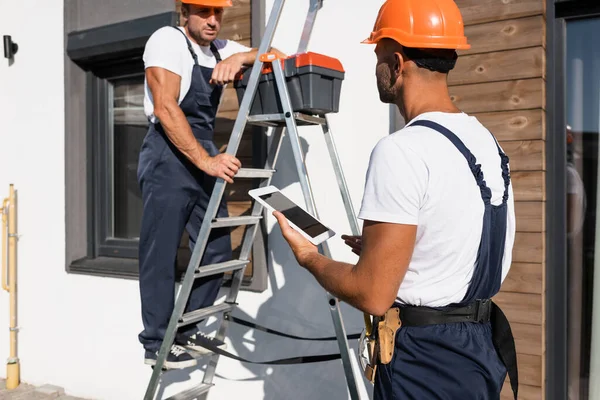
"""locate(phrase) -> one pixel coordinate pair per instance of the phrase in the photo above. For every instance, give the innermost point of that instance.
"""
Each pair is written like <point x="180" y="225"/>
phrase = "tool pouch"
<point x="386" y="334"/>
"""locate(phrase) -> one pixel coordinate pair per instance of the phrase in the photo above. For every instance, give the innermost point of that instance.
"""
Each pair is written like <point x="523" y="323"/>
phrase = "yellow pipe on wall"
<point x="9" y="206"/>
<point x="4" y="243"/>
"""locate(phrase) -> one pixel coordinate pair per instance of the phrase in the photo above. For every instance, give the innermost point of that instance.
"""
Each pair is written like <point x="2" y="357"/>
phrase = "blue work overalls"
<point x="458" y="360"/>
<point x="175" y="196"/>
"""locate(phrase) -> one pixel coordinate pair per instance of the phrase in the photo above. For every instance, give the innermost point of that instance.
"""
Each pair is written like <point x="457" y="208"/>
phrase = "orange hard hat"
<point x="425" y="24"/>
<point x="209" y="3"/>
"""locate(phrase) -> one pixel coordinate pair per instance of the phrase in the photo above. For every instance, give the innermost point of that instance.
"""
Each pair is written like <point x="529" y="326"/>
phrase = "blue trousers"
<point x="175" y="196"/>
<point x="442" y="362"/>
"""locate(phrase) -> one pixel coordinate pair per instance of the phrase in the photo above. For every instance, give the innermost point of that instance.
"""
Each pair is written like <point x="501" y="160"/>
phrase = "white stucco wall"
<point x="80" y="332"/>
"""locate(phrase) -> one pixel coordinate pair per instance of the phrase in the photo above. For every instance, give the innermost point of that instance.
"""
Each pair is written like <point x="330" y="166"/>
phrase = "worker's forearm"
<point x="180" y="134"/>
<point x="339" y="279"/>
<point x="248" y="57"/>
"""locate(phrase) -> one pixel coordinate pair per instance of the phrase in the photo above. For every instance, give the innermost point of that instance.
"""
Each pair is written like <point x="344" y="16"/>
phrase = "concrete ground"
<point x="28" y="392"/>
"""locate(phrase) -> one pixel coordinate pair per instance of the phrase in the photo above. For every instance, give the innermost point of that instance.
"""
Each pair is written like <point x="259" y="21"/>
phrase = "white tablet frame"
<point x="255" y="193"/>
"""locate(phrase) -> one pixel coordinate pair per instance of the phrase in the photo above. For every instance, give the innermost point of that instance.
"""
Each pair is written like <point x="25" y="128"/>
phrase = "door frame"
<point x="558" y="12"/>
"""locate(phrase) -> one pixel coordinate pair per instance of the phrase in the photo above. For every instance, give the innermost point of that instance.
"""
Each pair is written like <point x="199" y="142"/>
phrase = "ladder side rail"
<point x="245" y="105"/>
<point x="341" y="335"/>
<point x="247" y="242"/>
<point x="292" y="131"/>
<point x="309" y="24"/>
<point x="339" y="175"/>
<point x="186" y="286"/>
<point x="270" y="163"/>
<point x="232" y="148"/>
<point x="347" y="200"/>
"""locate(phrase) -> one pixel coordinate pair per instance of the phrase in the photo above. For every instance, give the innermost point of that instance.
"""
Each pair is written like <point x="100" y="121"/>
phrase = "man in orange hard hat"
<point x="186" y="68"/>
<point x="439" y="224"/>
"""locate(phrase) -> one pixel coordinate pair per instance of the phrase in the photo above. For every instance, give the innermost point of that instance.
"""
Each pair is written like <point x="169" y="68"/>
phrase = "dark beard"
<point x="385" y="86"/>
<point x="197" y="36"/>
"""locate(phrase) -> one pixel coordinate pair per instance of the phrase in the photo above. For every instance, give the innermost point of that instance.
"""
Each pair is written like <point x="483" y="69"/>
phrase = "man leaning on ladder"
<point x="186" y="68"/>
<point x="439" y="224"/>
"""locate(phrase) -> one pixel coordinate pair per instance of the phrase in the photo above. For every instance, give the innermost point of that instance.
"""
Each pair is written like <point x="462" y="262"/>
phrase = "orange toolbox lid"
<point x="301" y="60"/>
<point x="317" y="60"/>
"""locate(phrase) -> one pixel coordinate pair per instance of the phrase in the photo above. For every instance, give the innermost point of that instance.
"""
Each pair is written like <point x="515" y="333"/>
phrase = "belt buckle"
<point x="482" y="314"/>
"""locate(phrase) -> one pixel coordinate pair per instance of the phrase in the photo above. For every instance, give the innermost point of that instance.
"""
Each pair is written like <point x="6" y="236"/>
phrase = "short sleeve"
<point x="231" y="47"/>
<point x="164" y="50"/>
<point x="395" y="185"/>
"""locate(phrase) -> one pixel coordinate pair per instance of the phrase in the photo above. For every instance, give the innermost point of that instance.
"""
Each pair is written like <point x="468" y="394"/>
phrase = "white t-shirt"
<point x="166" y="48"/>
<point x="416" y="176"/>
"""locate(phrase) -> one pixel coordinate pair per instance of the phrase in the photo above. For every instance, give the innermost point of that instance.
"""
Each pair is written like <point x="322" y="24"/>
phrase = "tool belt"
<point x="381" y="349"/>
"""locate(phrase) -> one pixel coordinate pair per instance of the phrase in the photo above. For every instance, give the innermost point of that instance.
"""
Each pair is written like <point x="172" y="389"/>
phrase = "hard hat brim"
<point x="454" y="43"/>
<point x="209" y="3"/>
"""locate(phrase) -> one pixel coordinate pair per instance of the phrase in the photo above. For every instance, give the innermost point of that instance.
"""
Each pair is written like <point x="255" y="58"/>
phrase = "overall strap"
<point x="505" y="173"/>
<point x="215" y="51"/>
<point x="486" y="193"/>
<point x="189" y="44"/>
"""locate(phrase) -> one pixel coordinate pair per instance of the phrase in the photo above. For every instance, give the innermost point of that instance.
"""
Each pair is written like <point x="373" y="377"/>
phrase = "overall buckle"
<point x="483" y="310"/>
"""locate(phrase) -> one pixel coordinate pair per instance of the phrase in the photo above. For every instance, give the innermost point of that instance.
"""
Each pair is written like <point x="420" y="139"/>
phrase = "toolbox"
<point x="314" y="82"/>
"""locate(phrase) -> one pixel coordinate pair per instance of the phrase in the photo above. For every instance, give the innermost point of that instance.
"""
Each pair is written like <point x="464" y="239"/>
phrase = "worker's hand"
<point x="226" y="70"/>
<point x="223" y="166"/>
<point x="302" y="248"/>
<point x="354" y="242"/>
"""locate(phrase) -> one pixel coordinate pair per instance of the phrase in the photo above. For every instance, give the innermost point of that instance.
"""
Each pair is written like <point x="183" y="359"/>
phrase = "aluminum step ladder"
<point x="288" y="121"/>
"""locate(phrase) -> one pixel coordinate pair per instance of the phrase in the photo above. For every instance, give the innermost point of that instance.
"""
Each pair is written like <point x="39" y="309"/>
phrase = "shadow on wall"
<point x="298" y="306"/>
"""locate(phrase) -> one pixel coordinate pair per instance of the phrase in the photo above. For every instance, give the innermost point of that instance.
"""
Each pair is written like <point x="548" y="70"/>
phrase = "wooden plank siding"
<point x="237" y="22"/>
<point x="501" y="80"/>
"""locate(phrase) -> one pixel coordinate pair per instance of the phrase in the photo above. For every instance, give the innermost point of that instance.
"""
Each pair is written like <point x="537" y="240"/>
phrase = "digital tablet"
<point x="300" y="220"/>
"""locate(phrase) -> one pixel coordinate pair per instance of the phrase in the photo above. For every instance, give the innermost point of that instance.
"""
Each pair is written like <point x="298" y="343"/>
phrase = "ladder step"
<point x="235" y="221"/>
<point x="192" y="393"/>
<point x="254" y="173"/>
<point x="214" y="269"/>
<point x="279" y="119"/>
<point x="195" y="316"/>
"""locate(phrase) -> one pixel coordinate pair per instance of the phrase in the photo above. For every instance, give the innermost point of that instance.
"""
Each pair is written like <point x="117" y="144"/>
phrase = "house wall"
<point x="501" y="80"/>
<point x="80" y="332"/>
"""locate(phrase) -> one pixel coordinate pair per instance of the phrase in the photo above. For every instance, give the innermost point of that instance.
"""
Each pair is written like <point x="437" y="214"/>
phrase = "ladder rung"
<point x="214" y="269"/>
<point x="254" y="173"/>
<point x="191" y="393"/>
<point x="279" y="119"/>
<point x="198" y="315"/>
<point x="235" y="221"/>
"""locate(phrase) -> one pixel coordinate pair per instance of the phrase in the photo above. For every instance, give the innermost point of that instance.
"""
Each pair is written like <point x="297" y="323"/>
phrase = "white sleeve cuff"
<point x="387" y="217"/>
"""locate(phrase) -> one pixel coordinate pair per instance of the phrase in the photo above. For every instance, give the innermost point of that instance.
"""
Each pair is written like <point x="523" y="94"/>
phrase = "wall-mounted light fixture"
<point x="10" y="48"/>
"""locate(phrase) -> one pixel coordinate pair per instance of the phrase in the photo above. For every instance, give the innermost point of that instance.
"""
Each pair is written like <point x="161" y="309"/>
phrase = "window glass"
<point x="581" y="135"/>
<point x="129" y="127"/>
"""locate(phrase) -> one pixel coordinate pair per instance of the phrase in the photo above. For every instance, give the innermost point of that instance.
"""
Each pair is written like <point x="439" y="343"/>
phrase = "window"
<point x="583" y="255"/>
<point x="122" y="126"/>
<point x="129" y="125"/>
<point x="115" y="126"/>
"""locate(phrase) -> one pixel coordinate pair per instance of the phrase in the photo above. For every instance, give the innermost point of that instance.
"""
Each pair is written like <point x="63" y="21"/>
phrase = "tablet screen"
<point x="295" y="214"/>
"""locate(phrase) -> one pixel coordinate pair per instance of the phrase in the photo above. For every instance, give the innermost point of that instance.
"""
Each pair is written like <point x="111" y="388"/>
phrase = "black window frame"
<point x="558" y="12"/>
<point x="110" y="52"/>
<point x="103" y="245"/>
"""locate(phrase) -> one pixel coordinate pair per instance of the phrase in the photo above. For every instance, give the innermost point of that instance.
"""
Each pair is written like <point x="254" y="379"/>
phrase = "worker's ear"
<point x="398" y="67"/>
